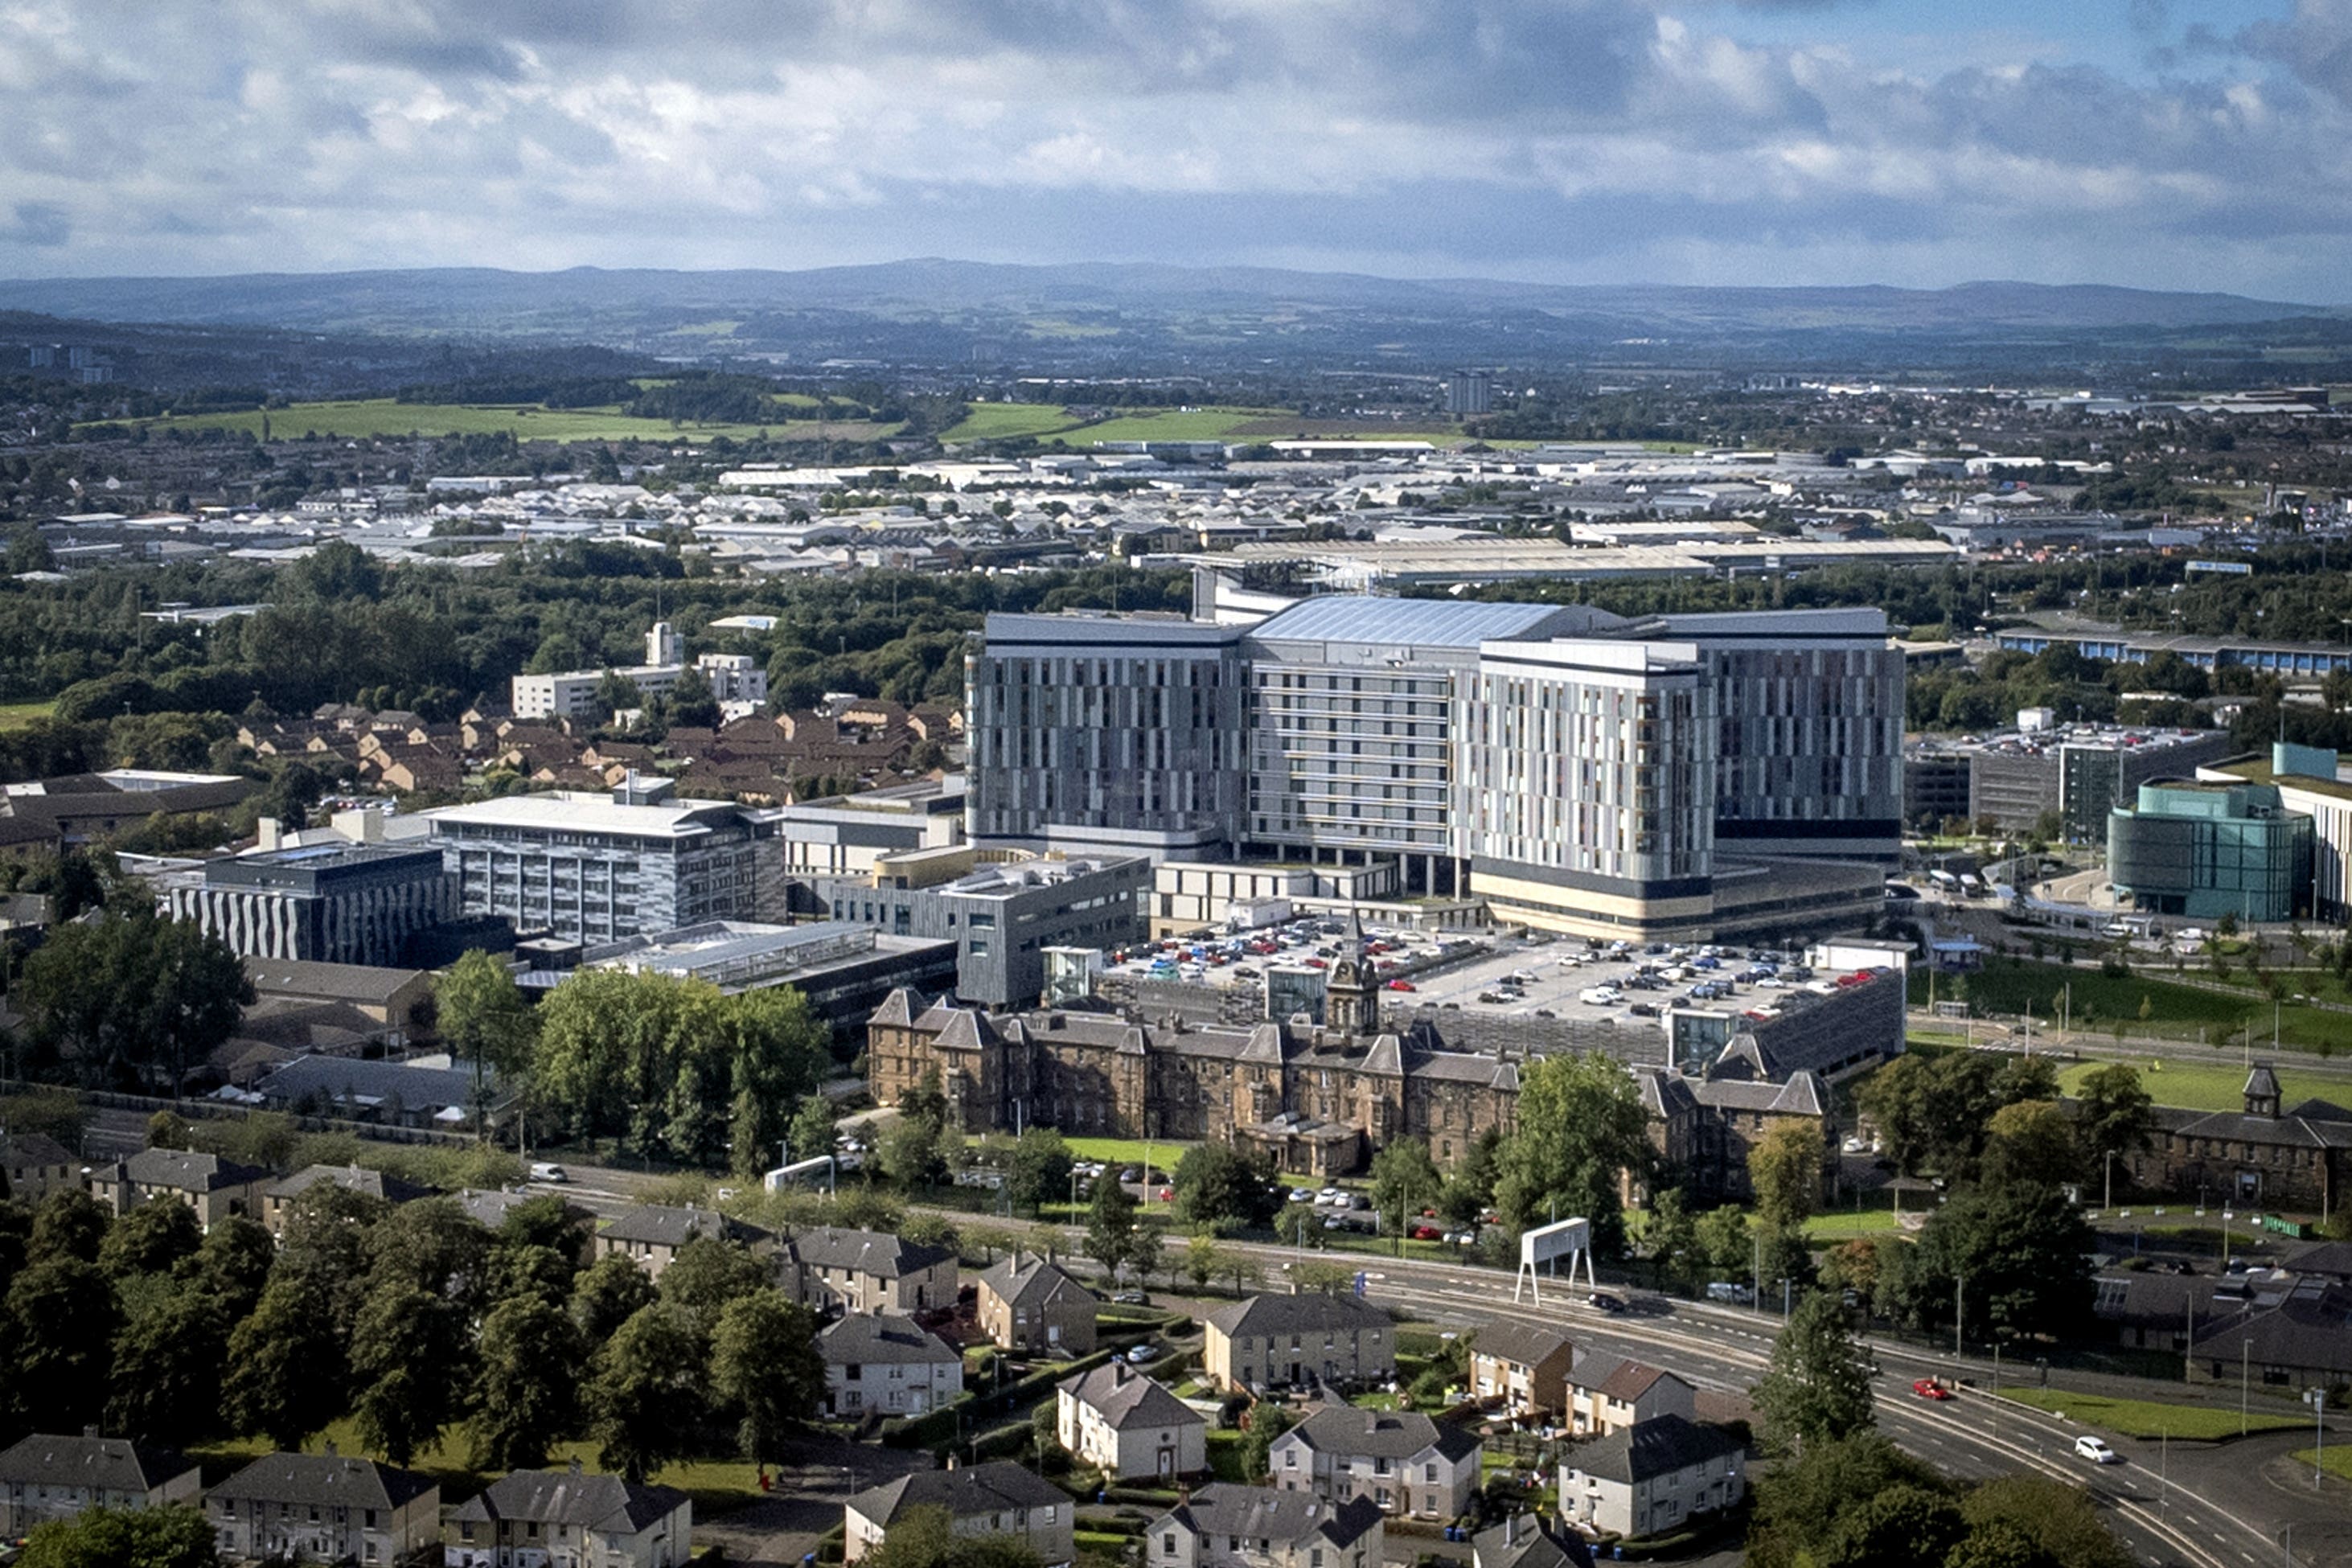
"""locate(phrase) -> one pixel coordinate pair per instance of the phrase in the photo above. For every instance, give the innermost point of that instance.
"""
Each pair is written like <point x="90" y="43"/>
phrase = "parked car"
<point x="1143" y="1353"/>
<point x="1302" y="1194"/>
<point x="1425" y="1233"/>
<point x="2097" y="1450"/>
<point x="1604" y="1302"/>
<point x="1403" y="985"/>
<point x="1132" y="1298"/>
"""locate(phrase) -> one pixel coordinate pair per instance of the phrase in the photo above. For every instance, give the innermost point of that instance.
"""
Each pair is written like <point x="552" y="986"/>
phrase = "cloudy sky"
<point x="2167" y="144"/>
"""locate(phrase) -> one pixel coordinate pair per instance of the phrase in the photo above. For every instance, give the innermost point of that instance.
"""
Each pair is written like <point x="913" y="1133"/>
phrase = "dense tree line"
<point x="417" y="1323"/>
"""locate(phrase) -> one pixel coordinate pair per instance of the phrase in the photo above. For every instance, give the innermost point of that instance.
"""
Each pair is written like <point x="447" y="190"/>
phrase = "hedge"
<point x="939" y="1427"/>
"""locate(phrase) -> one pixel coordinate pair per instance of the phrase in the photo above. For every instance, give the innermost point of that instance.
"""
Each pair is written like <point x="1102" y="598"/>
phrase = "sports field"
<point x="384" y="417"/>
<point x="2200" y="1086"/>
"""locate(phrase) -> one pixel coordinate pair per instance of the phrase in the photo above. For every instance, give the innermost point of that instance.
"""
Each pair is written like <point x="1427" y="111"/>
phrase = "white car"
<point x="1600" y="996"/>
<point x="2097" y="1450"/>
<point x="551" y="1173"/>
<point x="1302" y="1194"/>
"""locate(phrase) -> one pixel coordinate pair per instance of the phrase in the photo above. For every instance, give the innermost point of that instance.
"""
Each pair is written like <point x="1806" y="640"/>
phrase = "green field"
<point x="1005" y="421"/>
<point x="16" y="715"/>
<point x="2198" y="1086"/>
<point x="1164" y="1151"/>
<point x="384" y="417"/>
<point x="1847" y="1226"/>
<point x="2147" y="1417"/>
<point x="2176" y="1012"/>
<point x="1179" y="424"/>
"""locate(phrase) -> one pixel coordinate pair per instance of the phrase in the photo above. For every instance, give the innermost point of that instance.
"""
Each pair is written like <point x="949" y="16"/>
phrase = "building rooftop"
<point x="1426" y="623"/>
<point x="109" y="1464"/>
<point x="995" y="1487"/>
<point x="580" y="811"/>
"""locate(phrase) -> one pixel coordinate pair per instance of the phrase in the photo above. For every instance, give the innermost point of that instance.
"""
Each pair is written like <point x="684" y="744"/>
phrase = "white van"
<point x="550" y="1174"/>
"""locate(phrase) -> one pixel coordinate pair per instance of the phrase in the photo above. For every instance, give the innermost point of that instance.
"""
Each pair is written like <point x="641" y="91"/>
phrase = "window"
<point x="1168" y="1543"/>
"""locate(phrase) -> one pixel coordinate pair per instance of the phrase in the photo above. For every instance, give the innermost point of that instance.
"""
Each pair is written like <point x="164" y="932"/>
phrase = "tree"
<point x="1300" y="1225"/>
<point x="1110" y="1223"/>
<point x="410" y="1362"/>
<point x="707" y="1275"/>
<point x="2057" y="1523"/>
<point x="481" y="1014"/>
<point x="1039" y="1169"/>
<point x="61" y="1317"/>
<point x="69" y="1224"/>
<point x="2112" y="1114"/>
<point x="810" y="1131"/>
<point x="1671" y="1238"/>
<point x="1800" y="1503"/>
<point x="1726" y="1240"/>
<point x="1216" y="1184"/>
<point x="1581" y="1128"/>
<point x="234" y="1263"/>
<point x="1203" y="1258"/>
<point x="1268" y="1423"/>
<point x="2031" y="1141"/>
<point x="765" y="1369"/>
<point x="617" y="693"/>
<point x="138" y="1000"/>
<point x="1471" y="1187"/>
<point x="1784" y="1167"/>
<point x="608" y="1293"/>
<point x="645" y="1396"/>
<point x="287" y="1372"/>
<point x="1404" y="1180"/>
<point x="2017" y="1255"/>
<point x="1817" y="1389"/>
<point x="151" y="1239"/>
<point x="167" y="1367"/>
<point x="530" y="1365"/>
<point x="1903" y="1523"/>
<point x="909" y="1153"/>
<point x="176" y="1535"/>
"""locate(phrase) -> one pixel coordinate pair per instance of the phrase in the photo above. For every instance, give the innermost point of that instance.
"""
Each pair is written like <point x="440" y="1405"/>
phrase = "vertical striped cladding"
<point x="333" y="905"/>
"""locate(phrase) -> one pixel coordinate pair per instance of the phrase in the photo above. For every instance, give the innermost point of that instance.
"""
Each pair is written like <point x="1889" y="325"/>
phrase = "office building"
<point x="597" y="867"/>
<point x="1002" y="909"/>
<point x="2203" y="850"/>
<point x="2309" y="781"/>
<point x="841" y="969"/>
<point x="2080" y="771"/>
<point x="1469" y="393"/>
<point x="734" y="679"/>
<point x="333" y="904"/>
<point x="1576" y="770"/>
<point x="843" y="836"/>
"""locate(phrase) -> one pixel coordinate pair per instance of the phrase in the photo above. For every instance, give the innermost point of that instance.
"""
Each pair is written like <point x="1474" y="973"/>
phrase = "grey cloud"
<point x="41" y="225"/>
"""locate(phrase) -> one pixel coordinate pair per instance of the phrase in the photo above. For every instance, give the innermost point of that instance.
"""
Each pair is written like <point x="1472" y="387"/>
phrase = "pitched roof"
<point x="110" y="1463"/>
<point x="862" y="1338"/>
<point x="866" y="1252"/>
<point x="1651" y="1449"/>
<point x="659" y="1225"/>
<point x="328" y="1479"/>
<point x="1124" y="1397"/>
<point x="996" y="1486"/>
<point x="605" y="1503"/>
<point x="1623" y="1381"/>
<point x="1313" y="1312"/>
<point x="1025" y="1280"/>
<point x="1379" y="1434"/>
<point x="1528" y="1540"/>
<point x="33" y="1149"/>
<point x="1258" y="1513"/>
<point x="1522" y="1343"/>
<point x="353" y="1178"/>
<point x="183" y="1171"/>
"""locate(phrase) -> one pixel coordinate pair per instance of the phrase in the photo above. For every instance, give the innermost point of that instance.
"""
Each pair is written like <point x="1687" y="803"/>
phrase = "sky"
<point x="2157" y="143"/>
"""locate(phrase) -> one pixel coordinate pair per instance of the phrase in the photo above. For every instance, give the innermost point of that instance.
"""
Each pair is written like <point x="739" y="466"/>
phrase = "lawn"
<point x="1847" y="1225"/>
<point x="16" y="715"/>
<point x="384" y="417"/>
<point x="2147" y="1417"/>
<point x="2202" y="1086"/>
<point x="1177" y="425"/>
<point x="1163" y="1152"/>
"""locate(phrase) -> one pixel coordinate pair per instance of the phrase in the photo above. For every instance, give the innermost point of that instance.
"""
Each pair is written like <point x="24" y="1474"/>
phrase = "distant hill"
<point x="628" y="305"/>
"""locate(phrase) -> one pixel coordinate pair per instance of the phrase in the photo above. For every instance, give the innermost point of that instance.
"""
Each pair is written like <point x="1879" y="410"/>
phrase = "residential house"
<point x="1255" y="1527"/>
<point x="2292" y="1340"/>
<point x="1652" y="1477"/>
<point x="279" y="1198"/>
<point x="215" y="1188"/>
<point x="44" y="1477"/>
<point x="862" y="1271"/>
<point x="33" y="1166"/>
<point x="1402" y="1460"/>
<point x="885" y="1363"/>
<point x="1128" y="1427"/>
<point x="1529" y="1541"/>
<point x="1520" y="1369"/>
<point x="650" y="1234"/>
<point x="324" y="1508"/>
<point x="1313" y="1337"/>
<point x="1028" y="1303"/>
<point x="1606" y="1394"/>
<point x="564" y="1519"/>
<point x="997" y="1499"/>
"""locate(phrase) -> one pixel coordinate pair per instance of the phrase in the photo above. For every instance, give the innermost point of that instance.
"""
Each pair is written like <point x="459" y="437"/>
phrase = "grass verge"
<point x="2337" y="1462"/>
<point x="2147" y="1419"/>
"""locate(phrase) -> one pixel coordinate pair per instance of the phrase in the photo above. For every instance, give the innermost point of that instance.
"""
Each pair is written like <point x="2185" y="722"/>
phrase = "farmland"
<point x="377" y="416"/>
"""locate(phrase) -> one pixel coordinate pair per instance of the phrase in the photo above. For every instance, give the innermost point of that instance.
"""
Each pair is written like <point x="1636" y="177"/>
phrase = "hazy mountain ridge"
<point x="630" y="302"/>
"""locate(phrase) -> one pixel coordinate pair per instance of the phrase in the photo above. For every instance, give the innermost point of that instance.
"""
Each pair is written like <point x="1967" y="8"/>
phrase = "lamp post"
<point x="2111" y="1180"/>
<point x="2318" y="1399"/>
<point x="1960" y="1286"/>
<point x="2245" y="1362"/>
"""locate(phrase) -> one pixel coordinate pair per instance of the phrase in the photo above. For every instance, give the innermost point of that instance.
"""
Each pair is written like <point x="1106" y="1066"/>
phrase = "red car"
<point x="1403" y="985"/>
<point x="1427" y="1233"/>
<point x="1316" y="964"/>
<point x="1928" y="1388"/>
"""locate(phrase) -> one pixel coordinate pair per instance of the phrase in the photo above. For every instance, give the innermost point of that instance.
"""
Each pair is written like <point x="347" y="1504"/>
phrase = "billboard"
<point x="1569" y="1238"/>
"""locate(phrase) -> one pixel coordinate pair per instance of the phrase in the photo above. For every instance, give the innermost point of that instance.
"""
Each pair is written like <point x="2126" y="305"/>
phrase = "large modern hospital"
<point x="1681" y="775"/>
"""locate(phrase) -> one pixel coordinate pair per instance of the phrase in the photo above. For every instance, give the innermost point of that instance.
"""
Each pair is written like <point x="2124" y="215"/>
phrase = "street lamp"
<point x="2245" y="1360"/>
<point x="2318" y="1399"/>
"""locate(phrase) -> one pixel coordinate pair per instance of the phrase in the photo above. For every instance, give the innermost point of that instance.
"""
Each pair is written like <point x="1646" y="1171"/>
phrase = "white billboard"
<point x="1569" y="1238"/>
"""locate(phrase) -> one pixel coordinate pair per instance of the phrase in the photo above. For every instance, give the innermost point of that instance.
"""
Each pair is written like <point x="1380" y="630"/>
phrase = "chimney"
<point x="331" y="1448"/>
<point x="266" y="834"/>
<point x="90" y="1430"/>
<point x="575" y="1464"/>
